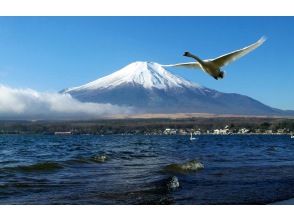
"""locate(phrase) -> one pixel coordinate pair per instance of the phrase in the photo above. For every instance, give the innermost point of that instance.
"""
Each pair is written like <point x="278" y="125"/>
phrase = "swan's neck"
<point x="196" y="58"/>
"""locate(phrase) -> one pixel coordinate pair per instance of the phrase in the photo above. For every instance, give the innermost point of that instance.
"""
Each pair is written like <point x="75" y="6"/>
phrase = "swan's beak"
<point x="186" y="54"/>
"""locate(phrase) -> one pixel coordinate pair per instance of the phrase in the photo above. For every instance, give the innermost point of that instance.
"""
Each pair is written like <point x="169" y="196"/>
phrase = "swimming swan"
<point x="192" y="138"/>
<point x="213" y="66"/>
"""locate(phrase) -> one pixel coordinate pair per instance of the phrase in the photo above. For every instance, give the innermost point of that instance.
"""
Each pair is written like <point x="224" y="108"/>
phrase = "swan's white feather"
<point x="188" y="65"/>
<point x="230" y="57"/>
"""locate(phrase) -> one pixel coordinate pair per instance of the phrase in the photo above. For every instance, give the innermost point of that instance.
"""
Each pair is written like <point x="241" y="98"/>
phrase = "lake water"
<point x="116" y="169"/>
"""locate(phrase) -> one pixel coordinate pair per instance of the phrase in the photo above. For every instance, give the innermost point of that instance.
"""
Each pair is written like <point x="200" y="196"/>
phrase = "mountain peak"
<point x="140" y="73"/>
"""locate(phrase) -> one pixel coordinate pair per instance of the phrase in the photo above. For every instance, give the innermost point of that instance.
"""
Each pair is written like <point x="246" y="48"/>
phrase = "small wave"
<point x="284" y="202"/>
<point x="38" y="167"/>
<point x="272" y="149"/>
<point x="190" y="166"/>
<point x="139" y="143"/>
<point x="99" y="158"/>
<point x="78" y="161"/>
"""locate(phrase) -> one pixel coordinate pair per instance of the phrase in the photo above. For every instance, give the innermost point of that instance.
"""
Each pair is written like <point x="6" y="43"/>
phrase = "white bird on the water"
<point x="192" y="138"/>
<point x="213" y="66"/>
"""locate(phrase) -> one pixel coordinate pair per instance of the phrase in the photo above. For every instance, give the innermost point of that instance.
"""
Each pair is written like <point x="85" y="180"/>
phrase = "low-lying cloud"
<point x="29" y="104"/>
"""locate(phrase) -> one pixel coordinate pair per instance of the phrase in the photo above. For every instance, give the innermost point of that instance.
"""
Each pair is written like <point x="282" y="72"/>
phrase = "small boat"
<point x="192" y="138"/>
<point x="62" y="133"/>
<point x="292" y="136"/>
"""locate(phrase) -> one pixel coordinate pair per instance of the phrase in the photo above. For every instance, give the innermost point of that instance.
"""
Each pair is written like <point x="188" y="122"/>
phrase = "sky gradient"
<point x="53" y="53"/>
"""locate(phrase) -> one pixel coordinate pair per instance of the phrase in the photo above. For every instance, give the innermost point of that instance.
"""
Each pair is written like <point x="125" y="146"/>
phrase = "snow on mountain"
<point x="149" y="88"/>
<point x="147" y="74"/>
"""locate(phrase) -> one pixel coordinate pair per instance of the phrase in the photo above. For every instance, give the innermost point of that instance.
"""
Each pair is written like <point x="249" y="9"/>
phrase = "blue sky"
<point x="52" y="53"/>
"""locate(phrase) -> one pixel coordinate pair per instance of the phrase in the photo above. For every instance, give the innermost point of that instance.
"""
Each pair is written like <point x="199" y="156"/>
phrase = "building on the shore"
<point x="221" y="131"/>
<point x="170" y="131"/>
<point x="225" y="130"/>
<point x="243" y="131"/>
<point x="182" y="132"/>
<point x="282" y="131"/>
<point x="258" y="131"/>
<point x="198" y="132"/>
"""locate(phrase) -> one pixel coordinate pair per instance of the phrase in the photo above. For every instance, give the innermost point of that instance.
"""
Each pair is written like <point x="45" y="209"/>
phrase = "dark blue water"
<point x="45" y="169"/>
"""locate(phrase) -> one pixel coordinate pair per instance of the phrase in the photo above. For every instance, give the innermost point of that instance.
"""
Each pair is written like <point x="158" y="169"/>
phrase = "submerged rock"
<point x="190" y="166"/>
<point x="173" y="183"/>
<point x="100" y="158"/>
<point x="39" y="167"/>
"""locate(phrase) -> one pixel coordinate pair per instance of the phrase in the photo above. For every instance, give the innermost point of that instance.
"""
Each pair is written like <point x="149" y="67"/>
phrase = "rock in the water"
<point x="100" y="158"/>
<point x="190" y="166"/>
<point x="173" y="183"/>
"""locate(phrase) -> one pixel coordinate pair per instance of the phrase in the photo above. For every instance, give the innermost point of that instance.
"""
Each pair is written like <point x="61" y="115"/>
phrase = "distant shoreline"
<point x="156" y="126"/>
<point x="129" y="134"/>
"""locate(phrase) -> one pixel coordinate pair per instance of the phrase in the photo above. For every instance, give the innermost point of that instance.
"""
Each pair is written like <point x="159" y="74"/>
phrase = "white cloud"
<point x="30" y="104"/>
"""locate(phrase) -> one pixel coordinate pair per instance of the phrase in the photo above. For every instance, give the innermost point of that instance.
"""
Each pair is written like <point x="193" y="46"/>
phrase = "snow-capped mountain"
<point x="149" y="88"/>
<point x="146" y="74"/>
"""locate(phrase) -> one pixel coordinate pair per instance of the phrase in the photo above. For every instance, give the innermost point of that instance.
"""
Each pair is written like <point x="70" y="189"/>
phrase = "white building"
<point x="243" y="131"/>
<point x="226" y="130"/>
<point x="197" y="132"/>
<point x="169" y="131"/>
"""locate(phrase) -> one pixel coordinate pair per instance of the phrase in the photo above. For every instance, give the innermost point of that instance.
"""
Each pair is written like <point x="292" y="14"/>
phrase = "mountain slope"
<point x="151" y="89"/>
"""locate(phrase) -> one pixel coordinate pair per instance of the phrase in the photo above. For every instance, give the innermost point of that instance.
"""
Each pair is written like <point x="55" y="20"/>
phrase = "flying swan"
<point x="213" y="66"/>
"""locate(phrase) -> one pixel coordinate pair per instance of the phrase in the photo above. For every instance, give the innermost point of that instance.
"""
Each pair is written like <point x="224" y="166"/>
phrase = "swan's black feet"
<point x="221" y="75"/>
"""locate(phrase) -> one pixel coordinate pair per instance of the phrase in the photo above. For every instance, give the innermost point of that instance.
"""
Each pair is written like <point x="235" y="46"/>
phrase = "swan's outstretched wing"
<point x="188" y="65"/>
<point x="230" y="57"/>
